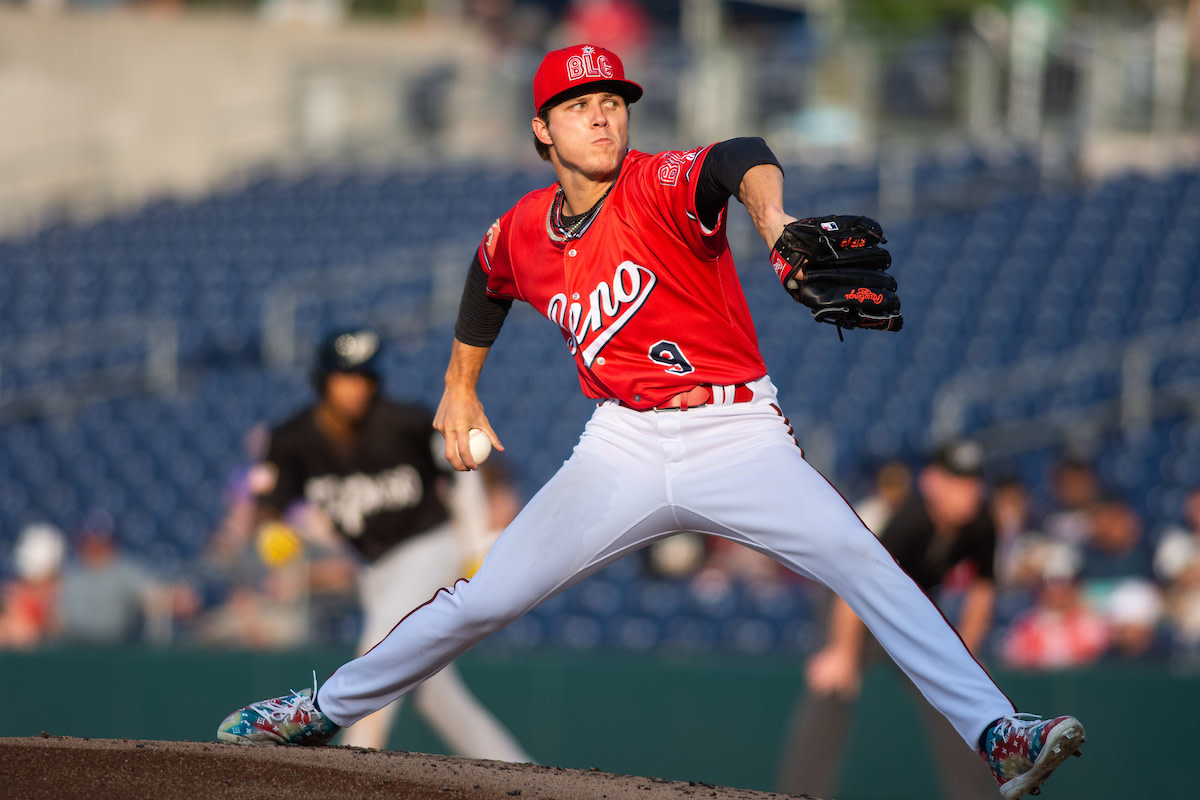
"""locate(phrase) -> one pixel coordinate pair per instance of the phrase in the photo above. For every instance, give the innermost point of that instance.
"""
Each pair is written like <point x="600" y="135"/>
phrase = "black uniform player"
<point x="368" y="463"/>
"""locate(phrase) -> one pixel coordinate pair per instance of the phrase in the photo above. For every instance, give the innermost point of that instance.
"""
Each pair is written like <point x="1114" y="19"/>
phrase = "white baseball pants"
<point x="636" y="476"/>
<point x="403" y="578"/>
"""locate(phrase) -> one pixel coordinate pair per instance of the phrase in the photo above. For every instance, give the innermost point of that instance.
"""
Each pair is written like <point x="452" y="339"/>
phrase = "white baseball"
<point x="480" y="444"/>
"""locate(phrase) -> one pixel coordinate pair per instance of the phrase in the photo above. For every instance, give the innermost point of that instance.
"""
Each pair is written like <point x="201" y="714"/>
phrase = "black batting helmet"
<point x="354" y="350"/>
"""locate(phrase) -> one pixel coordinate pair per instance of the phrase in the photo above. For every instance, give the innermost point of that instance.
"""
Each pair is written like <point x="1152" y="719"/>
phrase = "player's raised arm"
<point x="744" y="168"/>
<point x="761" y="192"/>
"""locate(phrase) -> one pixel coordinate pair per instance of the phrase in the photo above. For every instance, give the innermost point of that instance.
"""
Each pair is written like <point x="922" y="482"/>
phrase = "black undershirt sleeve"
<point x="721" y="174"/>
<point x="480" y="317"/>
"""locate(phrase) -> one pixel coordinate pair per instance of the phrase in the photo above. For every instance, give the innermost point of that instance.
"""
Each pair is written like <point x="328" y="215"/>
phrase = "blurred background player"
<point x="368" y="463"/>
<point x="941" y="535"/>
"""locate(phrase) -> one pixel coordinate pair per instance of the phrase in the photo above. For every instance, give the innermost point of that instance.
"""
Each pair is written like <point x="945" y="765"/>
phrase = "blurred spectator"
<point x="1075" y="485"/>
<point x="727" y="563"/>
<point x="256" y="597"/>
<point x="619" y="25"/>
<point x="1177" y="566"/>
<point x="1115" y="549"/>
<point x="942" y="532"/>
<point x="241" y="507"/>
<point x="893" y="482"/>
<point x="1020" y="548"/>
<point x="106" y="597"/>
<point x="1061" y="630"/>
<point x="1135" y="615"/>
<point x="28" y="606"/>
<point x="1018" y="543"/>
<point x="249" y="603"/>
<point x="510" y="24"/>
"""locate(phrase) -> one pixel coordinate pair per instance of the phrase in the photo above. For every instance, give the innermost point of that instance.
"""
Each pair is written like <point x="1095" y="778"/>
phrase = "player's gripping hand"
<point x="458" y="412"/>
<point x="834" y="265"/>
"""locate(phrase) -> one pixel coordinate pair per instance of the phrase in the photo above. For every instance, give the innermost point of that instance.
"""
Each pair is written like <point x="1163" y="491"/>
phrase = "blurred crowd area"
<point x="1081" y="580"/>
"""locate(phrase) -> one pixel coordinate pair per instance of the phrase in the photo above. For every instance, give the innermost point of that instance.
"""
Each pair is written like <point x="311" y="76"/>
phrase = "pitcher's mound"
<point x="52" y="767"/>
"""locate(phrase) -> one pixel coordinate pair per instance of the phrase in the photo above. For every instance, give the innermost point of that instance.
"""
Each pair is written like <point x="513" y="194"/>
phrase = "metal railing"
<point x="430" y="278"/>
<point x="1137" y="401"/>
<point x="120" y="356"/>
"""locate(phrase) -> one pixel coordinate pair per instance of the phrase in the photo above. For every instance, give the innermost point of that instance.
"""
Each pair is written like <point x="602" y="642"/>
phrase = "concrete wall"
<point x="98" y="111"/>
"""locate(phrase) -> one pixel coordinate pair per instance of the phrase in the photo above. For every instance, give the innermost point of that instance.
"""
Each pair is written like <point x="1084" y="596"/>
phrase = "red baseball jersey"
<point x="647" y="299"/>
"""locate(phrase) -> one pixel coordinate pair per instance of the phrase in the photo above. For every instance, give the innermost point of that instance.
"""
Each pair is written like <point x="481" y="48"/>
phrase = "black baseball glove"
<point x="835" y="266"/>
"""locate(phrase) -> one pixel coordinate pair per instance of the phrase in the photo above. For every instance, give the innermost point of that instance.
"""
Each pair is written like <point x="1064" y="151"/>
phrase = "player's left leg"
<point x="746" y="479"/>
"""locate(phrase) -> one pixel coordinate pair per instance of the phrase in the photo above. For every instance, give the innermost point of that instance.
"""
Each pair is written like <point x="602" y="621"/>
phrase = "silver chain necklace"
<point x="560" y="233"/>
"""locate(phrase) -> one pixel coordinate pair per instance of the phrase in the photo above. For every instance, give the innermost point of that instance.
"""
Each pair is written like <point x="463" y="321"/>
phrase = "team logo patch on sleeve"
<point x="668" y="174"/>
<point x="490" y="240"/>
<point x="671" y="168"/>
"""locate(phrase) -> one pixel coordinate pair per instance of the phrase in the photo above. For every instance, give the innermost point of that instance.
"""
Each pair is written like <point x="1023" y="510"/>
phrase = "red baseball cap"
<point x="579" y="66"/>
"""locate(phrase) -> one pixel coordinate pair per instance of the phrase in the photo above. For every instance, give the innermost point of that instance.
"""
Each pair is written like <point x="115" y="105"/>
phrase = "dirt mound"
<point x="52" y="767"/>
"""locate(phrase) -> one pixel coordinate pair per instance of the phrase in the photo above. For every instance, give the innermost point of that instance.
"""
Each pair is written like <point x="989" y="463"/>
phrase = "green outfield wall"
<point x="709" y="719"/>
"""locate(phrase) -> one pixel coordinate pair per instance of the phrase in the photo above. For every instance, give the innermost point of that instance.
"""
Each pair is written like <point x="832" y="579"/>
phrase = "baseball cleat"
<point x="1022" y="750"/>
<point x="291" y="719"/>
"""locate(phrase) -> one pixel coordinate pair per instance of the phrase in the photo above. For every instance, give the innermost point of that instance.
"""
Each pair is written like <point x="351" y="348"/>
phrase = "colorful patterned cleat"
<point x="1023" y="750"/>
<point x="291" y="719"/>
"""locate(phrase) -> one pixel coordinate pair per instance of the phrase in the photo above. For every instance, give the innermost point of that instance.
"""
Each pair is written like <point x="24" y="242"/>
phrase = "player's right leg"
<point x="402" y="578"/>
<point x="607" y="500"/>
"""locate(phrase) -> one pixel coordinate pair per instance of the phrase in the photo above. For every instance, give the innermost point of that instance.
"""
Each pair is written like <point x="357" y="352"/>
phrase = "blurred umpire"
<point x="368" y="463"/>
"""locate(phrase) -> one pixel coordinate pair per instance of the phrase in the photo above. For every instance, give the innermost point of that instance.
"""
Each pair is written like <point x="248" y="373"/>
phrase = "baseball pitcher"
<point x="627" y="254"/>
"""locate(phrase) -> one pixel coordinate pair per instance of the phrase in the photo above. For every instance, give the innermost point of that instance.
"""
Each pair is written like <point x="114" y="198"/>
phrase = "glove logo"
<point x="782" y="267"/>
<point x="863" y="294"/>
<point x="829" y="226"/>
